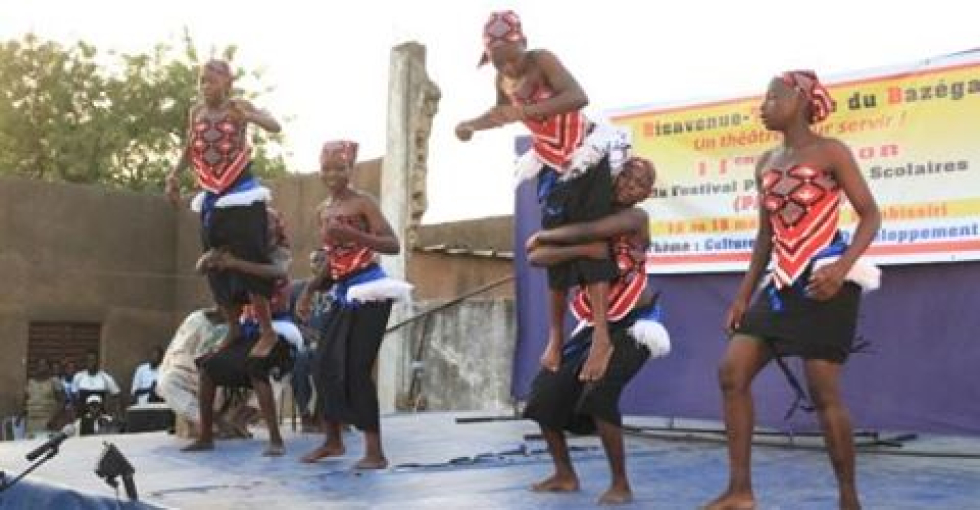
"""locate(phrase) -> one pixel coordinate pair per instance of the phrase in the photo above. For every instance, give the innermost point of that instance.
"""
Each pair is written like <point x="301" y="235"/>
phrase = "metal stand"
<point x="4" y="484"/>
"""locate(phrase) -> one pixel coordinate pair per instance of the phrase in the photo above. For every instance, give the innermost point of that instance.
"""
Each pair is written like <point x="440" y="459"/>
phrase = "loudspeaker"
<point x="149" y="418"/>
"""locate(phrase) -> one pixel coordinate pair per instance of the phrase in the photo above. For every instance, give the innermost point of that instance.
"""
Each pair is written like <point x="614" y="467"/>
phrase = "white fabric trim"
<point x="290" y="333"/>
<point x="380" y="290"/>
<point x="605" y="139"/>
<point x="527" y="167"/>
<point x="646" y="332"/>
<point x="241" y="198"/>
<point x="652" y="335"/>
<point x="865" y="274"/>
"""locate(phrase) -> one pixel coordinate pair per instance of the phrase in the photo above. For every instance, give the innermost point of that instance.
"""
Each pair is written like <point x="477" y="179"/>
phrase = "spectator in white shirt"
<point x="144" y="387"/>
<point x="95" y="381"/>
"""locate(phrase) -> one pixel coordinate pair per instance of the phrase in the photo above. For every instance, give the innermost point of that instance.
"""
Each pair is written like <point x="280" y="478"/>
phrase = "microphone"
<point x="52" y="443"/>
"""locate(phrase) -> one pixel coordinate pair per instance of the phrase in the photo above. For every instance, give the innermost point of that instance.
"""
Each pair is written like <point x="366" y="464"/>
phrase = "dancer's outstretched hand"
<point x="464" y="131"/>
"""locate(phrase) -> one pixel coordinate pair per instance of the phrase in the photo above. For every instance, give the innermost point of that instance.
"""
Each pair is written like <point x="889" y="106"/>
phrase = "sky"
<point x="328" y="61"/>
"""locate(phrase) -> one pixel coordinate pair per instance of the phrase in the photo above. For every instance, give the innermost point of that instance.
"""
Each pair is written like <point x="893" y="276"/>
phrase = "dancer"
<point x="232" y="205"/>
<point x="809" y="305"/>
<point x="568" y="156"/>
<point x="231" y="365"/>
<point x="561" y="400"/>
<point x="354" y="231"/>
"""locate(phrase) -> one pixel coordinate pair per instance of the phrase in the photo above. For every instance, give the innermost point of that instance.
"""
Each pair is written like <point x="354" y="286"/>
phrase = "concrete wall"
<point x="125" y="260"/>
<point x="493" y="233"/>
<point x="443" y="276"/>
<point x="458" y="257"/>
<point x="82" y="253"/>
<point x="464" y="360"/>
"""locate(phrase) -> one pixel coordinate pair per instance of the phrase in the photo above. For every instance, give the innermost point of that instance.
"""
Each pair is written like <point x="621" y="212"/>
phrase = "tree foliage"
<point x="74" y="114"/>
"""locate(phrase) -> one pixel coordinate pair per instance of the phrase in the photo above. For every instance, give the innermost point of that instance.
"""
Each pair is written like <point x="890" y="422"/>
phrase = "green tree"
<point x="68" y="114"/>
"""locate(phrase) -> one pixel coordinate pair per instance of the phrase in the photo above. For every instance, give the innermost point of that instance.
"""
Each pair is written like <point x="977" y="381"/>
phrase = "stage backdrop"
<point x="913" y="130"/>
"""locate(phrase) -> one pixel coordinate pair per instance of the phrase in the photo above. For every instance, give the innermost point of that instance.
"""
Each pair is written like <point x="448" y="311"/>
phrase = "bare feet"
<point x="551" y="357"/>
<point x="324" y="451"/>
<point x="616" y="496"/>
<point x="370" y="462"/>
<point x="264" y="345"/>
<point x="597" y="362"/>
<point x="199" y="446"/>
<point x="557" y="483"/>
<point x="729" y="501"/>
<point x="274" y="450"/>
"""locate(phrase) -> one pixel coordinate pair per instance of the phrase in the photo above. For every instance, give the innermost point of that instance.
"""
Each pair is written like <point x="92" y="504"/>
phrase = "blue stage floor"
<point x="494" y="465"/>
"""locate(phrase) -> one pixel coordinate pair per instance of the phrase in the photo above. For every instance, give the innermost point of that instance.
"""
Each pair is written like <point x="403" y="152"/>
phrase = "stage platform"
<point x="438" y="463"/>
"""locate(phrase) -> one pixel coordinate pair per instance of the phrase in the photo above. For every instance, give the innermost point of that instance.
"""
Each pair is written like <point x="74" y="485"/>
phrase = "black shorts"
<point x="806" y="327"/>
<point x="587" y="197"/>
<point x="243" y="231"/>
<point x="234" y="368"/>
<point x="560" y="401"/>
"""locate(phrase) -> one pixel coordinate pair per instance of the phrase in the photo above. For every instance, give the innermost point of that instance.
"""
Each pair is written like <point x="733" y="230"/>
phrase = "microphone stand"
<point x="4" y="485"/>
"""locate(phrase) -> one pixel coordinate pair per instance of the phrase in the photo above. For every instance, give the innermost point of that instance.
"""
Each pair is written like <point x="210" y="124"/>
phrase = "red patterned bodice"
<point x="219" y="150"/>
<point x="346" y="258"/>
<point x="555" y="138"/>
<point x="626" y="290"/>
<point x="804" y="206"/>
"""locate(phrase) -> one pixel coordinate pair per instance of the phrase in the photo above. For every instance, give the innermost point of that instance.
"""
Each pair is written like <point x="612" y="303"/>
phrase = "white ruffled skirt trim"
<point x="652" y="335"/>
<point x="380" y="290"/>
<point x="242" y="198"/>
<point x="863" y="273"/>
<point x="605" y="139"/>
<point x="290" y="333"/>
<point x="646" y="332"/>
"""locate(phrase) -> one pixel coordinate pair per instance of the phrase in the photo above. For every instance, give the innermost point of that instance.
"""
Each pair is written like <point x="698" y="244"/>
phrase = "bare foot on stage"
<point x="729" y="501"/>
<point x="555" y="483"/>
<point x="372" y="463"/>
<point x="323" y="452"/>
<point x="616" y="496"/>
<point x="199" y="446"/>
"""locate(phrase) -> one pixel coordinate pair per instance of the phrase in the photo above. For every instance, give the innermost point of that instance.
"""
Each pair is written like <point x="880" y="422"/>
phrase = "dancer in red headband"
<point x="560" y="400"/>
<point x="571" y="160"/>
<point x="232" y="367"/>
<point x="232" y="204"/>
<point x="354" y="232"/>
<point x="808" y="306"/>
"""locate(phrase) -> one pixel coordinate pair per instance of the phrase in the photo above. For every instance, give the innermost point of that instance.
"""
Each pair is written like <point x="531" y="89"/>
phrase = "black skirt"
<point x="232" y="367"/>
<point x="560" y="401"/>
<point x="587" y="197"/>
<point x="243" y="231"/>
<point x="342" y="369"/>
<point x="793" y="324"/>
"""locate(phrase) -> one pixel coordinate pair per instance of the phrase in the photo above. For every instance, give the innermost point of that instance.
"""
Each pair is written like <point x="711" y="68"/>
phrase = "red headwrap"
<point x="345" y="150"/>
<point x="502" y="27"/>
<point x="807" y="83"/>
